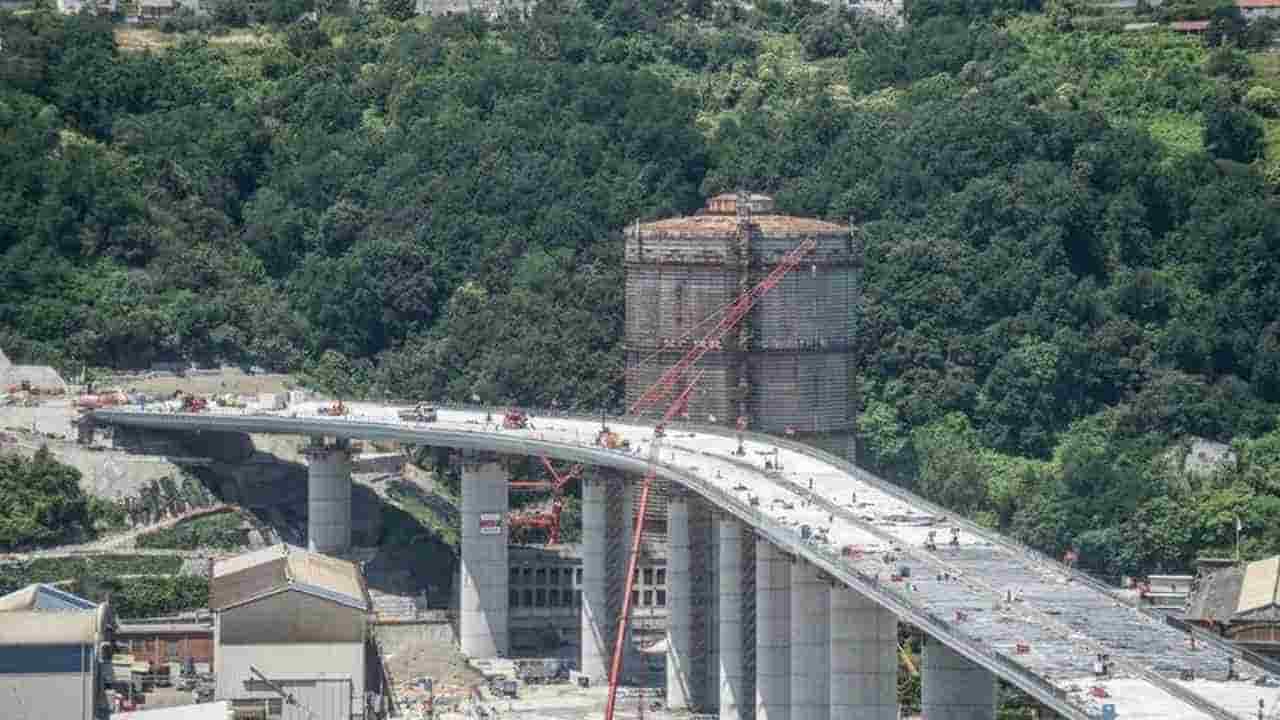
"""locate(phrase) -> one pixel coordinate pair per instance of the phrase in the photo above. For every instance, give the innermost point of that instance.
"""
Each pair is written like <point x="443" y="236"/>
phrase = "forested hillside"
<point x="1072" y="245"/>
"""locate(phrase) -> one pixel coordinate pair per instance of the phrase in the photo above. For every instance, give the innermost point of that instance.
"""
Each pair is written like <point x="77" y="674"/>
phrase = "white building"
<point x="289" y="623"/>
<point x="52" y="644"/>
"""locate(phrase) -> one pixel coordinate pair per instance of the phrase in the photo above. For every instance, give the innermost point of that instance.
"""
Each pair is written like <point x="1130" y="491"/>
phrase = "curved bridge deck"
<point x="1045" y="643"/>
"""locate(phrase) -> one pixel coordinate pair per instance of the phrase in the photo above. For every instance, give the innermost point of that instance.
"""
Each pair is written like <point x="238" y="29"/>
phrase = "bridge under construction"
<point x="811" y="563"/>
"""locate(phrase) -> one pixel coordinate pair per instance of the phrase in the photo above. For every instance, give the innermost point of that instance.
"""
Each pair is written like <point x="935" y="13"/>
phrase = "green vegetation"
<point x="221" y="531"/>
<point x="139" y="585"/>
<point x="41" y="503"/>
<point x="1072" y="248"/>
<point x="135" y="597"/>
<point x="53" y="570"/>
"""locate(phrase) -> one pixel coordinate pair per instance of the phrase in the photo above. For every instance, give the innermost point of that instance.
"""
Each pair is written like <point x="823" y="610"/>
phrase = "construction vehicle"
<point x="515" y="419"/>
<point x="333" y="409"/>
<point x="193" y="404"/>
<point x="607" y="438"/>
<point x="675" y="377"/>
<point x="421" y="412"/>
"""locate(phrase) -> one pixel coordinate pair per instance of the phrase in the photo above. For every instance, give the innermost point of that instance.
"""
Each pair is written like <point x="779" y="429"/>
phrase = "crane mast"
<point x="657" y="393"/>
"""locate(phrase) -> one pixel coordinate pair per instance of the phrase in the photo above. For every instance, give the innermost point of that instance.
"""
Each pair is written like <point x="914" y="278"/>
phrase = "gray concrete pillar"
<point x="864" y="658"/>
<point x="773" y="633"/>
<point x="328" y="497"/>
<point x="594" y="648"/>
<point x="483" y="602"/>
<point x="953" y="687"/>
<point x="733" y="704"/>
<point x="679" y="604"/>
<point x="810" y="644"/>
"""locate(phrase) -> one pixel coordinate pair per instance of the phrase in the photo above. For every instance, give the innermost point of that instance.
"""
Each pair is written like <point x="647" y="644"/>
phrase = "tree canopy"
<point x="1072" y="249"/>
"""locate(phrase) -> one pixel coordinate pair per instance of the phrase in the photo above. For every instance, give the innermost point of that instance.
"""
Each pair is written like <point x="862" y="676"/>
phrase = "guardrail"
<point x="970" y="647"/>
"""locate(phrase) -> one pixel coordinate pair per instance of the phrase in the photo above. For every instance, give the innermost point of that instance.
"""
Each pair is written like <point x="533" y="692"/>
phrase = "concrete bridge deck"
<point x="1045" y="643"/>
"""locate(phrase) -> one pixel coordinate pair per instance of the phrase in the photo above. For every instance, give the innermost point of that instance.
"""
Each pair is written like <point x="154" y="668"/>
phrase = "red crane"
<point x="549" y="521"/>
<point x="658" y="392"/>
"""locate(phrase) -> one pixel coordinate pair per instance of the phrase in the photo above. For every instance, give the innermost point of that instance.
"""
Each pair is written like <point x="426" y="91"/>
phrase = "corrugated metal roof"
<point x="1259" y="588"/>
<point x="125" y="629"/>
<point x="43" y="597"/>
<point x="220" y="710"/>
<point x="284" y="567"/>
<point x="250" y="559"/>
<point x="34" y="627"/>
<point x="336" y="576"/>
<point x="1189" y="25"/>
<point x="1258" y="3"/>
<point x="240" y="586"/>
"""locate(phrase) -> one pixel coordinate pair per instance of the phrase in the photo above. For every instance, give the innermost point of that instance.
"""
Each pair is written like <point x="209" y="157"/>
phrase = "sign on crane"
<point x="657" y="393"/>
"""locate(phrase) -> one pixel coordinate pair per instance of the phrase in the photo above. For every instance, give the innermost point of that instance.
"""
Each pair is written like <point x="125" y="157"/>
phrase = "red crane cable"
<point x="655" y="447"/>
<point x="658" y="392"/>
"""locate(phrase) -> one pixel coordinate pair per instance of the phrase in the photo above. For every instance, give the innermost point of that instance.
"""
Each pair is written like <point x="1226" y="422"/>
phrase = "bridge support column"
<point x="953" y="687"/>
<point x="864" y="658"/>
<point x="328" y="496"/>
<point x="810" y="644"/>
<point x="596" y="618"/>
<point x="483" y="602"/>
<point x="736" y="655"/>
<point x="679" y="603"/>
<point x="773" y="633"/>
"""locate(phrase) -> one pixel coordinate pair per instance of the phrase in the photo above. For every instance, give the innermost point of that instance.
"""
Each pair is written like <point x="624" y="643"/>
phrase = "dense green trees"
<point x="1071" y="259"/>
<point x="40" y="502"/>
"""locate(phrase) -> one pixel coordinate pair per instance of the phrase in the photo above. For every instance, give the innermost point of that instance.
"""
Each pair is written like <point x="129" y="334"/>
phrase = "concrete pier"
<point x="328" y="496"/>
<point x="864" y="658"/>
<point x="733" y="703"/>
<point x="810" y="644"/>
<point x="483" y="601"/>
<point x="953" y="688"/>
<point x="679" y="605"/>
<point x="596" y="628"/>
<point x="773" y="633"/>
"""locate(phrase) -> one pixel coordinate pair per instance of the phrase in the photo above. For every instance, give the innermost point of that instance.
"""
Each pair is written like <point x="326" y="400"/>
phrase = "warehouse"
<point x="290" y="624"/>
<point x="51" y="647"/>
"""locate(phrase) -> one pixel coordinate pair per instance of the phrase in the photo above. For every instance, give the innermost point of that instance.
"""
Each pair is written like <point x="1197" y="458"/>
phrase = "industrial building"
<point x="1241" y="603"/>
<point x="289" y="623"/>
<point x="787" y="367"/>
<point x="52" y="646"/>
<point x="184" y="640"/>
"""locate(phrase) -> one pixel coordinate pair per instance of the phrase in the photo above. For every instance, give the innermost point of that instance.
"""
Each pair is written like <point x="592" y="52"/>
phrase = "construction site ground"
<point x="203" y="382"/>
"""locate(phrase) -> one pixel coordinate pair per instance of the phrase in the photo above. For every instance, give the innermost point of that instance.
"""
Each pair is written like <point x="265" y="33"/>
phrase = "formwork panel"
<point x="665" y="303"/>
<point x="787" y="365"/>
<point x="807" y="392"/>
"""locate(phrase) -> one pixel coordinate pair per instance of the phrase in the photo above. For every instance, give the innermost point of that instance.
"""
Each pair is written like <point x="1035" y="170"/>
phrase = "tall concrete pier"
<point x="864" y="658"/>
<point x="953" y="687"/>
<point x="328" y="496"/>
<point x="732" y="697"/>
<point x="773" y="633"/>
<point x="596" y="627"/>
<point x="679" y="603"/>
<point x="810" y="644"/>
<point x="483" y="601"/>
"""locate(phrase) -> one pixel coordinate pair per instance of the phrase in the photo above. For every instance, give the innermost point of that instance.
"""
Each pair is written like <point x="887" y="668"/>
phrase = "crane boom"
<point x="662" y="387"/>
<point x="659" y="391"/>
<point x="655" y="447"/>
